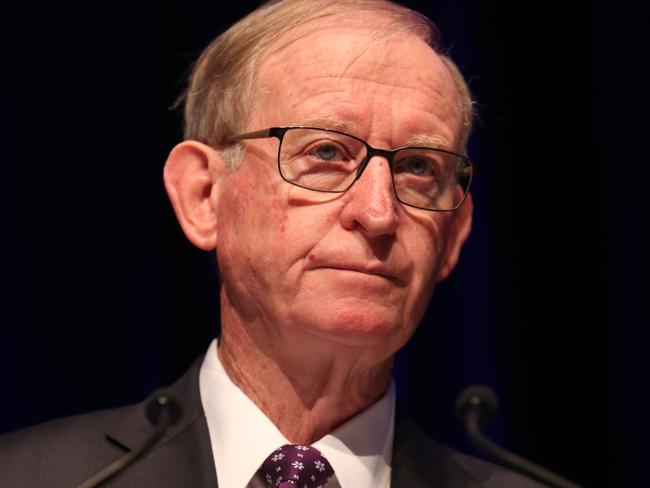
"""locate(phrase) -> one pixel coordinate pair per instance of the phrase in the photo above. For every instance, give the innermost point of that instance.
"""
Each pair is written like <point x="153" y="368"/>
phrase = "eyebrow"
<point x="327" y="122"/>
<point x="416" y="140"/>
<point x="426" y="140"/>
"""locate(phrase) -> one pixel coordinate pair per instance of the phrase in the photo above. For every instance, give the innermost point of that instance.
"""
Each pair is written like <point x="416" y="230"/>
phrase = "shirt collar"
<point x="242" y="436"/>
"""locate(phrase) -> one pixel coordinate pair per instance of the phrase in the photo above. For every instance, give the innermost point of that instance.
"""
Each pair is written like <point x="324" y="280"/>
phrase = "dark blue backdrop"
<point x="102" y="298"/>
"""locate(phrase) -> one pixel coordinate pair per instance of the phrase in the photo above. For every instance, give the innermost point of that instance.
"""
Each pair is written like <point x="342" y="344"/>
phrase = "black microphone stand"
<point x="475" y="407"/>
<point x="162" y="412"/>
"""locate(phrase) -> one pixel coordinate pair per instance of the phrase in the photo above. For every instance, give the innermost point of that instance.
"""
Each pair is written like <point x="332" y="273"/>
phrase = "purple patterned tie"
<point x="294" y="466"/>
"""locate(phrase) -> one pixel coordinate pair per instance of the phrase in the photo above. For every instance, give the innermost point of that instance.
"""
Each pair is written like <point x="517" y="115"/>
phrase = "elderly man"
<point x="324" y="162"/>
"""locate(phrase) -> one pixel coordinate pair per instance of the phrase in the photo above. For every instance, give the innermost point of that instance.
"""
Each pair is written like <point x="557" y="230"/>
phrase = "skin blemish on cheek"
<point x="277" y="213"/>
<point x="241" y="193"/>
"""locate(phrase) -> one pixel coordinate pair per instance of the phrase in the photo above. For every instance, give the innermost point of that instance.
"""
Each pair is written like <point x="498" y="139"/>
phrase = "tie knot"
<point x="296" y="466"/>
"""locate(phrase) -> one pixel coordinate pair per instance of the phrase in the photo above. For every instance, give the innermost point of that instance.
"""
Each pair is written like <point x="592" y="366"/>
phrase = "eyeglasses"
<point x="331" y="161"/>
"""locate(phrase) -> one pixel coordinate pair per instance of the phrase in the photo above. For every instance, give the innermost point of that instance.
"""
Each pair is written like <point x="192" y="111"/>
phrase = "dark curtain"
<point x="103" y="299"/>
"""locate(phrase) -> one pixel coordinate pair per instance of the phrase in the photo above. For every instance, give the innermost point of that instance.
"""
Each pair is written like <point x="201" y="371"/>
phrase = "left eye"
<point x="417" y="166"/>
<point x="326" y="152"/>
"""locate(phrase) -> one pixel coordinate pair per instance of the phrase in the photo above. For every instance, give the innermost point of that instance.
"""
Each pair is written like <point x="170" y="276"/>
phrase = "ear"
<point x="459" y="228"/>
<point x="192" y="176"/>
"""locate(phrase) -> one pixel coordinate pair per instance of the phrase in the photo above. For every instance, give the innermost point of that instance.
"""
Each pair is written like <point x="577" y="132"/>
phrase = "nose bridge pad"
<point x="387" y="155"/>
<point x="362" y="167"/>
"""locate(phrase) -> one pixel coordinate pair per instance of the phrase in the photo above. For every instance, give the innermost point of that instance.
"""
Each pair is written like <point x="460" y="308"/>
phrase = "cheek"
<point x="275" y="211"/>
<point x="430" y="236"/>
<point x="251" y="231"/>
<point x="235" y="204"/>
<point x="249" y="206"/>
<point x="427" y="256"/>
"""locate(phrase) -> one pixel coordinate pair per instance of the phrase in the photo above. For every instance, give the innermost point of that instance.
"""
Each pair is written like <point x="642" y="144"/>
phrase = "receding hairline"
<point x="381" y="24"/>
<point x="218" y="101"/>
<point x="383" y="32"/>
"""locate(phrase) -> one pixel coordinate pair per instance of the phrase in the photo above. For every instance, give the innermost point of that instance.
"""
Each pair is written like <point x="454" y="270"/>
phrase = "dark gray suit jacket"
<point x="65" y="452"/>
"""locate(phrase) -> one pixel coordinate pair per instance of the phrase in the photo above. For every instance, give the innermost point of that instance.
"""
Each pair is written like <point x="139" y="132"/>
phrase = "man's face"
<point x="356" y="268"/>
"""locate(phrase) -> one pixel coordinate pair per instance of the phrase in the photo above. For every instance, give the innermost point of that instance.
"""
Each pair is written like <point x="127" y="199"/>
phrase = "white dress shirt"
<point x="242" y="436"/>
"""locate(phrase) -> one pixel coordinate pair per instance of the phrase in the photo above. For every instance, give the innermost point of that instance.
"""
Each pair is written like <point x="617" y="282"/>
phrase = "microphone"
<point x="475" y="407"/>
<point x="162" y="412"/>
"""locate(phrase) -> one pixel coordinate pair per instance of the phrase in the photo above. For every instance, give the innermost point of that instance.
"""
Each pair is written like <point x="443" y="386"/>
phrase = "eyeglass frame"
<point x="280" y="131"/>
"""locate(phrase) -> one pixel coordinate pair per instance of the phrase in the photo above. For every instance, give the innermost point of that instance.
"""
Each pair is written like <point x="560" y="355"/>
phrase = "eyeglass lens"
<point x="328" y="161"/>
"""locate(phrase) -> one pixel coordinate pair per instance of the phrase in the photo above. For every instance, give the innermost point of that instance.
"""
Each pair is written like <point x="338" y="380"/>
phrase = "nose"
<point x="370" y="203"/>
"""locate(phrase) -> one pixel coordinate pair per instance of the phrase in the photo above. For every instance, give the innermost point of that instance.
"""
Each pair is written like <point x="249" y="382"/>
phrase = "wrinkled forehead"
<point x="345" y="37"/>
<point x="365" y="55"/>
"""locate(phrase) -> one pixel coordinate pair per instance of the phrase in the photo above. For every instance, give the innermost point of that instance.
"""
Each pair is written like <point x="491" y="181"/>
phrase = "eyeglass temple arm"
<point x="258" y="134"/>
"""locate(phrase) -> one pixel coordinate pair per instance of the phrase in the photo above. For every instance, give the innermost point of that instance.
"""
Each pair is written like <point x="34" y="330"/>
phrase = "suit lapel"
<point x="183" y="457"/>
<point x="420" y="462"/>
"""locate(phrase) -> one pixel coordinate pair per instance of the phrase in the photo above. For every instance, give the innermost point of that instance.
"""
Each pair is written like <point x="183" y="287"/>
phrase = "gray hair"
<point x="217" y="100"/>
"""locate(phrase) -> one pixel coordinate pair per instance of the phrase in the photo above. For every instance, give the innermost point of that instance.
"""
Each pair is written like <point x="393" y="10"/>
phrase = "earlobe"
<point x="190" y="180"/>
<point x="460" y="226"/>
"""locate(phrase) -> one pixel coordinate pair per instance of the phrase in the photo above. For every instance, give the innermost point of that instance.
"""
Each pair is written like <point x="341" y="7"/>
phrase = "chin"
<point x="369" y="326"/>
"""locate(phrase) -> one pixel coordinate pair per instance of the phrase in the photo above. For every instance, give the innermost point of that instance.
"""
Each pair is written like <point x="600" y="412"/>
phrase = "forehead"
<point x="359" y="77"/>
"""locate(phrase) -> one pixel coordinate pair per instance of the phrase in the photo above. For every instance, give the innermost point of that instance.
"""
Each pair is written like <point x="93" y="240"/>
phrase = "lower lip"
<point x="354" y="272"/>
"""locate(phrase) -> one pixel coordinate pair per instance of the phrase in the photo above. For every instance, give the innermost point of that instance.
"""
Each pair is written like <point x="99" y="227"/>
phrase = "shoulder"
<point x="57" y="452"/>
<point x="420" y="461"/>
<point x="64" y="452"/>
<point x="491" y="475"/>
<point x="65" y="431"/>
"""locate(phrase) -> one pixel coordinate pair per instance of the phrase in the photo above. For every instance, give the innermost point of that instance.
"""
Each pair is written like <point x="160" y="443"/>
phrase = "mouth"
<point x="359" y="270"/>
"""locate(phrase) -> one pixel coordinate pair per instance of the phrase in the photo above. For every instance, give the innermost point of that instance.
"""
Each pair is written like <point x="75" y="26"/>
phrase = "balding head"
<point x="222" y="84"/>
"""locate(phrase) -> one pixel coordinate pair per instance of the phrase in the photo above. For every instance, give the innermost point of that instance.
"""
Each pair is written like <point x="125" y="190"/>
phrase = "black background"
<point x="103" y="299"/>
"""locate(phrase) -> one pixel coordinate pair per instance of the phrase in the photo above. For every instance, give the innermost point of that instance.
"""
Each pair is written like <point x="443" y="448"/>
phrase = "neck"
<point x="304" y="386"/>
